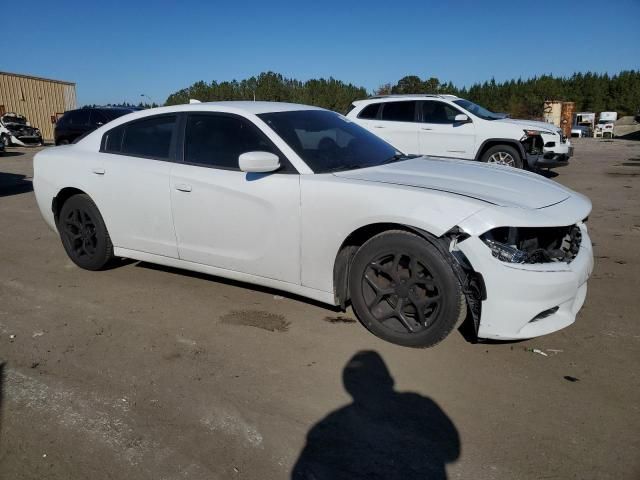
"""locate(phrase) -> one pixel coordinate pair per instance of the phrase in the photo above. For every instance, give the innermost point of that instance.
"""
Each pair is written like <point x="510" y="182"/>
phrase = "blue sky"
<point x="115" y="51"/>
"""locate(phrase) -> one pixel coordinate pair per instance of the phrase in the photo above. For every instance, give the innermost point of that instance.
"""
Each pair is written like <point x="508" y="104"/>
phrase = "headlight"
<point x="533" y="133"/>
<point x="506" y="253"/>
<point x="534" y="244"/>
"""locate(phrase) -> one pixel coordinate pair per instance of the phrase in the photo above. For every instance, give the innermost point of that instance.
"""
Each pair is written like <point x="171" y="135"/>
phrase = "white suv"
<point x="448" y="126"/>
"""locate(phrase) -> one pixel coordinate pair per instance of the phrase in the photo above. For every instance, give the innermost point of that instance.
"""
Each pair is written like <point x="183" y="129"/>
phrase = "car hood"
<point x="495" y="184"/>
<point x="530" y="124"/>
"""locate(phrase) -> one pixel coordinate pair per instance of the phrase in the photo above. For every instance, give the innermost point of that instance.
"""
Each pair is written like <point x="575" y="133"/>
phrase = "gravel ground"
<point x="145" y="372"/>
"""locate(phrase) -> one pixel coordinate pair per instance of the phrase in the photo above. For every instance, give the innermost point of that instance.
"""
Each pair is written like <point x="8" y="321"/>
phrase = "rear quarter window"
<point x="112" y="140"/>
<point x="370" y="111"/>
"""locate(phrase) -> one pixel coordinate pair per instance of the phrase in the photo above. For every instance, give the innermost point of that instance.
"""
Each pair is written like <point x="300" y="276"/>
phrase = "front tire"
<point x="404" y="291"/>
<point x="83" y="233"/>
<point x="503" y="155"/>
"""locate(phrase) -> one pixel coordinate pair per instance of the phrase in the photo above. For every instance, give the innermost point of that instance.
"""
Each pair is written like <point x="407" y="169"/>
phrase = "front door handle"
<point x="426" y="128"/>
<point x="98" y="171"/>
<point x="378" y="126"/>
<point x="183" y="187"/>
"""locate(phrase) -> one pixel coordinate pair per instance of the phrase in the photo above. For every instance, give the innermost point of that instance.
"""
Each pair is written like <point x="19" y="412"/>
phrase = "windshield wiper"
<point x="397" y="157"/>
<point x="352" y="166"/>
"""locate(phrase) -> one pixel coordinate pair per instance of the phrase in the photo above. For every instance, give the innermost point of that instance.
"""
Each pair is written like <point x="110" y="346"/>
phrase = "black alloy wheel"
<point x="84" y="234"/>
<point x="404" y="291"/>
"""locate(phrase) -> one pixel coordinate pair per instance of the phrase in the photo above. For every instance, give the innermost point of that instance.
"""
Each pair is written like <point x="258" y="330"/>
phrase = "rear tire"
<point x="403" y="290"/>
<point x="503" y="155"/>
<point x="83" y="233"/>
<point x="63" y="141"/>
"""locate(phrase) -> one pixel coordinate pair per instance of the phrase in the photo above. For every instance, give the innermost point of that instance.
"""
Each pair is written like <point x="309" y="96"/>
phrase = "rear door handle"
<point x="426" y="128"/>
<point x="98" y="171"/>
<point x="183" y="187"/>
<point x="378" y="126"/>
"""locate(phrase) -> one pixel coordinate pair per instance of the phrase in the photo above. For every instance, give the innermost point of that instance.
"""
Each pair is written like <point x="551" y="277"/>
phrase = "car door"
<point x="135" y="172"/>
<point x="226" y="218"/>
<point x="441" y="135"/>
<point x="396" y="123"/>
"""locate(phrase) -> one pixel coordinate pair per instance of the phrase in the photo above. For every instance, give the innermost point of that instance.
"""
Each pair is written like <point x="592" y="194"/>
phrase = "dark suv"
<point x="77" y="123"/>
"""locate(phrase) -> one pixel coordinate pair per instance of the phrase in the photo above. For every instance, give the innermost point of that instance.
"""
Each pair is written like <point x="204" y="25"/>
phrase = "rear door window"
<point x="149" y="137"/>
<point x="399" y="111"/>
<point x="152" y="137"/>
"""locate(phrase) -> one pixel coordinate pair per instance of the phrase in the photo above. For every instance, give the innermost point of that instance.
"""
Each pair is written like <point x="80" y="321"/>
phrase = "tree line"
<point x="592" y="92"/>
<point x="140" y="105"/>
<point x="326" y="93"/>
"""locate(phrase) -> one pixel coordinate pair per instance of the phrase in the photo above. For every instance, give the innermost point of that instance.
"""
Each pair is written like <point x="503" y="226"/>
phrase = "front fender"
<point x="332" y="208"/>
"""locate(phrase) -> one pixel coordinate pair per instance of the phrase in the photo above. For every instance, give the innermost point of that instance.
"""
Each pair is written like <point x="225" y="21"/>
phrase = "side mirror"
<point x="258" y="162"/>
<point x="461" y="118"/>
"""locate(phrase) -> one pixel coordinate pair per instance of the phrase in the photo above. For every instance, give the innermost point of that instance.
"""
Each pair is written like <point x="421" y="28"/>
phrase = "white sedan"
<point x="302" y="199"/>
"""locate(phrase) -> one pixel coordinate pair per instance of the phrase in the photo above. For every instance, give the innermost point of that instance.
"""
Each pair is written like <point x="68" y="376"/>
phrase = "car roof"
<point x="412" y="96"/>
<point x="241" y="107"/>
<point x="238" y="107"/>
<point x="256" y="108"/>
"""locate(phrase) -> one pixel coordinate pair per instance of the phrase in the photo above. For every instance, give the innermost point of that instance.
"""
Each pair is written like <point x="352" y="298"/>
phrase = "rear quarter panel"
<point x="56" y="168"/>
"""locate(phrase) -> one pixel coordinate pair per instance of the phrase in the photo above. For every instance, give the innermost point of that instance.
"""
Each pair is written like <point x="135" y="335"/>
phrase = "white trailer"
<point x="606" y="121"/>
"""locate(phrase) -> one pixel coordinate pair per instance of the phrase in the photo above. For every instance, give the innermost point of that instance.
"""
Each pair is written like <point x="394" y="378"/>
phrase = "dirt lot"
<point x="142" y="372"/>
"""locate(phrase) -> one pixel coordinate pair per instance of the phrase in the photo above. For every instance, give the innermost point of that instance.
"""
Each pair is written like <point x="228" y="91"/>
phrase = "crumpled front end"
<point x="25" y="136"/>
<point x="19" y="131"/>
<point x="535" y="276"/>
<point x="544" y="150"/>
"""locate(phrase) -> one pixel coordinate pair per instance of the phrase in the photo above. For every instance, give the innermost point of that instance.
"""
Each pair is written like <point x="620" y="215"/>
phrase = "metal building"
<point x="41" y="100"/>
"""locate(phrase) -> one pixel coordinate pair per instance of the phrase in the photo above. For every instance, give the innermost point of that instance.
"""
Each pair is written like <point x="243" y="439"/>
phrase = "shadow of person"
<point x="383" y="434"/>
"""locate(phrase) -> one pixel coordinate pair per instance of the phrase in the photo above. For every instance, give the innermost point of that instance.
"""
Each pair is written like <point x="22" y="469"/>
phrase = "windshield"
<point x="477" y="110"/>
<point x="329" y="142"/>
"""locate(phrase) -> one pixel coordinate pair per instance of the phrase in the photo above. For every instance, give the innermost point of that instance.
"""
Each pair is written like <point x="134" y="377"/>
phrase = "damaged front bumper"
<point x="529" y="300"/>
<point x="545" y="290"/>
<point x="26" y="140"/>
<point x="547" y="151"/>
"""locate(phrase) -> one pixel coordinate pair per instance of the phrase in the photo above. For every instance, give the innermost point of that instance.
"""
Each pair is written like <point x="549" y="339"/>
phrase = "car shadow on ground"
<point x="14" y="184"/>
<point x="11" y="154"/>
<point x="548" y="173"/>
<point x="382" y="433"/>
<point x="466" y="329"/>
<point x="236" y="283"/>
